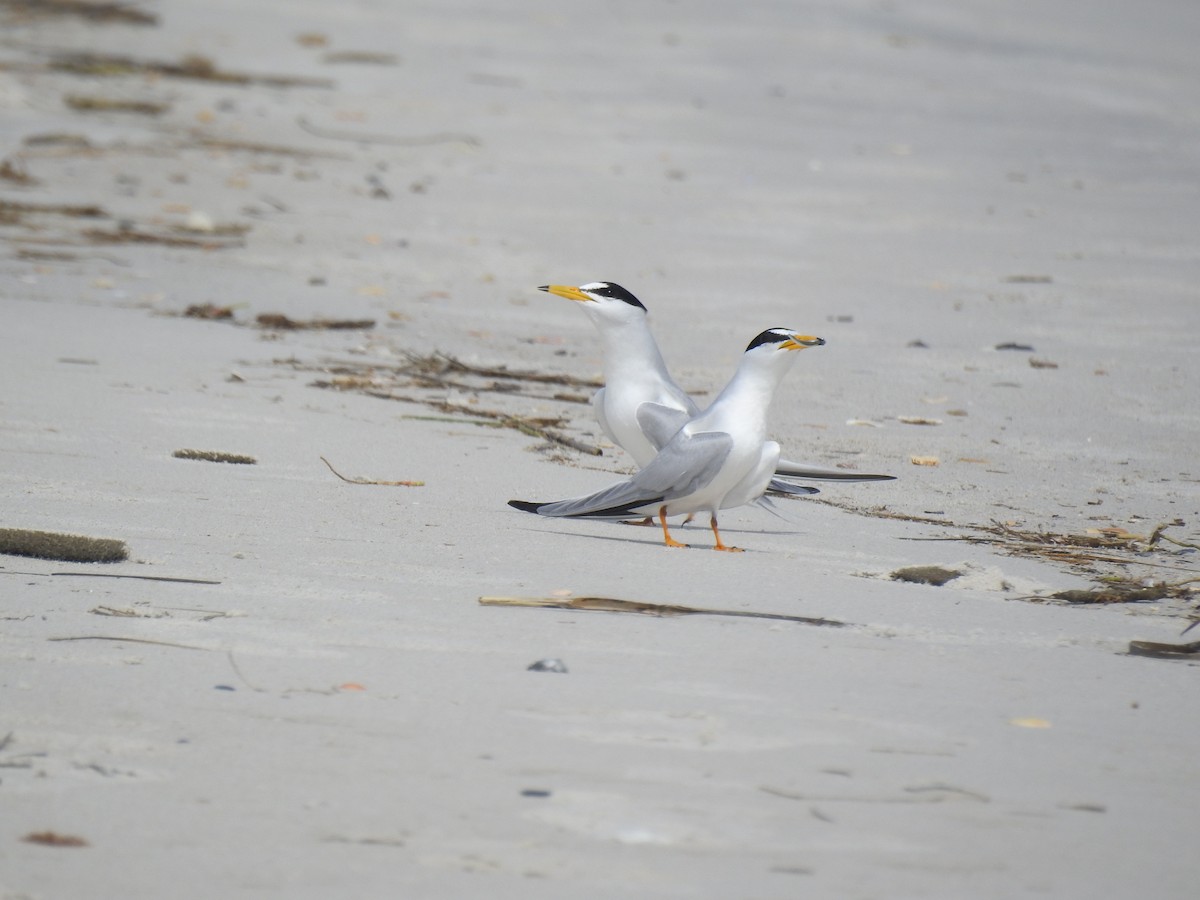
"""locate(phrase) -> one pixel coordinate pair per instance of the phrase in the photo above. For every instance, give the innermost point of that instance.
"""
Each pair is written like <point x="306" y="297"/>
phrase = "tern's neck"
<point x="749" y="393"/>
<point x="630" y="342"/>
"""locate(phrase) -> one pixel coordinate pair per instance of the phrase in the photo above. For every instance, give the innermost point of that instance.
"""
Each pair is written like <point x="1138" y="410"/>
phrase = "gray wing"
<point x="660" y="423"/>
<point x="786" y="469"/>
<point x="686" y="463"/>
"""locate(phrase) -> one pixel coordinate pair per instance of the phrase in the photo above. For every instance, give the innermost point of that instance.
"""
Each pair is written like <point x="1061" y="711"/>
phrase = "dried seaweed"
<point x="10" y="171"/>
<point x="208" y="311"/>
<point x="195" y="67"/>
<point x="441" y="372"/>
<point x="59" y="546"/>
<point x="610" y="604"/>
<point x="254" y="147"/>
<point x="80" y="103"/>
<point x="216" y="456"/>
<point x="14" y="211"/>
<point x="54" y="839"/>
<point x="93" y="11"/>
<point x="280" y="322"/>
<point x="133" y="236"/>
<point x="361" y="57"/>
<point x="934" y="575"/>
<point x="1157" y="650"/>
<point x="1125" y="591"/>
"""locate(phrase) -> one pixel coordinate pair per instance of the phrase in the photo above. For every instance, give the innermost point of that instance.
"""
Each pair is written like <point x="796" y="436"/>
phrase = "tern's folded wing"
<point x="687" y="463"/>
<point x="659" y="423"/>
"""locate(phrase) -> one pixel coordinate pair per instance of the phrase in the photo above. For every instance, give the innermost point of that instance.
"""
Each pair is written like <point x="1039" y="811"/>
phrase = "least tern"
<point x="719" y="459"/>
<point x="640" y="406"/>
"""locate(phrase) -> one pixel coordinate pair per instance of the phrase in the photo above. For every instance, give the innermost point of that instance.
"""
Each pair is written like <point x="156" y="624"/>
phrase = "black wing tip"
<point x="525" y="505"/>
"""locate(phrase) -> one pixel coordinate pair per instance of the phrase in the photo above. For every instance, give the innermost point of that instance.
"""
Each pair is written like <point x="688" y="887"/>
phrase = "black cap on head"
<point x="612" y="291"/>
<point x="770" y="336"/>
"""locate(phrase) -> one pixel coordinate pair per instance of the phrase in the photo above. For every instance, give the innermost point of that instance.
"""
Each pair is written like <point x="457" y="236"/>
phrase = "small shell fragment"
<point x="919" y="420"/>
<point x="550" y="664"/>
<point x="866" y="422"/>
<point x="923" y="460"/>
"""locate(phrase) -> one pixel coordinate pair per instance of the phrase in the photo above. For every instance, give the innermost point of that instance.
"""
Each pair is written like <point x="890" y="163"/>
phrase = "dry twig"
<point x="367" y="481"/>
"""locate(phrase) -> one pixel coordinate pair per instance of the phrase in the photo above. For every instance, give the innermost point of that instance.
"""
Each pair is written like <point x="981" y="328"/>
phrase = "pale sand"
<point x="876" y="174"/>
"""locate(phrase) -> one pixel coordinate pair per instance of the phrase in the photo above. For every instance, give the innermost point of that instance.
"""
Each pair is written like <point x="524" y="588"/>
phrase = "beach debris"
<point x="54" y="839"/>
<point x="1030" y="722"/>
<point x="1084" y="807"/>
<point x="12" y="211"/>
<point x="1036" y="363"/>
<point x="1156" y="650"/>
<point x="65" y="140"/>
<point x="60" y="546"/>
<point x="96" y="11"/>
<point x="137" y="577"/>
<point x="919" y="793"/>
<point x="126" y="640"/>
<point x="538" y="793"/>
<point x="222" y="238"/>
<point x="445" y="376"/>
<point x="935" y="575"/>
<point x="15" y="173"/>
<point x="924" y="460"/>
<point x="1012" y="345"/>
<point x="80" y="103"/>
<point x="610" y="604"/>
<point x="550" y="664"/>
<point x="129" y="612"/>
<point x="865" y="423"/>
<point x="1157" y="535"/>
<point x="367" y="481"/>
<point x="918" y="420"/>
<point x="360" y="57"/>
<point x="193" y="67"/>
<point x="281" y="322"/>
<point x="365" y="841"/>
<point x="217" y="456"/>
<point x="424" y="140"/>
<point x="1125" y="592"/>
<point x="208" y="311"/>
<point x="350" y="686"/>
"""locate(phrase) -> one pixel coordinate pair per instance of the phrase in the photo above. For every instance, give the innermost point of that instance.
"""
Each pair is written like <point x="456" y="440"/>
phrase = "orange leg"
<point x="670" y="541"/>
<point x="717" y="535"/>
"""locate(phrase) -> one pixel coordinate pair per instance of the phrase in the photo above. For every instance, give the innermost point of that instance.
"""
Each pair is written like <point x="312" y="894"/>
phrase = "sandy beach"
<point x="311" y="235"/>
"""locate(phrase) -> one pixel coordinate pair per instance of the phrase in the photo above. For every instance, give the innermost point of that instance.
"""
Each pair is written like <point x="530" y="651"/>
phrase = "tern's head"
<point x="602" y="300"/>
<point x="774" y="340"/>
